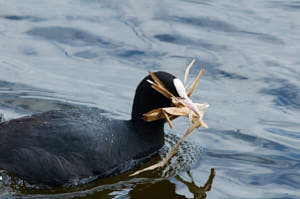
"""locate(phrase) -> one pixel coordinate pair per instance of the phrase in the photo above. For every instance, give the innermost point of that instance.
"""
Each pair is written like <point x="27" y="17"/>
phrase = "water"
<point x="95" y="52"/>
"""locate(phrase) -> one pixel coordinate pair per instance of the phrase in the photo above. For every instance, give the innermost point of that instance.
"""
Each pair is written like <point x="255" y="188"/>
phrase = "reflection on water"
<point x="122" y="186"/>
<point x="1" y="118"/>
<point x="199" y="192"/>
<point x="57" y="54"/>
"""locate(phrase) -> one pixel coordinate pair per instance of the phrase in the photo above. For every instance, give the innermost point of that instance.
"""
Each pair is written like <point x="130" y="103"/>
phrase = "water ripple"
<point x="70" y="36"/>
<point x="181" y="40"/>
<point x="219" y="25"/>
<point x="20" y="18"/>
<point x="286" y="94"/>
<point x="286" y="5"/>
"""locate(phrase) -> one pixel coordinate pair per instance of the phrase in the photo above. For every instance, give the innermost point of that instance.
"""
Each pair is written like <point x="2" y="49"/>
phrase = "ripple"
<point x="131" y="53"/>
<point x="213" y="70"/>
<point x="86" y="54"/>
<point x="201" y="2"/>
<point x="207" y="22"/>
<point x="70" y="36"/>
<point x="181" y="40"/>
<point x="219" y="25"/>
<point x="286" y="94"/>
<point x="25" y="99"/>
<point x="187" y="154"/>
<point x="286" y="5"/>
<point x="254" y="159"/>
<point x="20" y="18"/>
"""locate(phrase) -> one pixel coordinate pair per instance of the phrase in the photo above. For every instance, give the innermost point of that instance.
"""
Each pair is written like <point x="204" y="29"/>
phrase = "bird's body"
<point x="53" y="148"/>
<point x="56" y="147"/>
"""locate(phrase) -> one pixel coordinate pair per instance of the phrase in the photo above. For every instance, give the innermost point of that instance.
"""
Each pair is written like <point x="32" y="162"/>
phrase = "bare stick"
<point x="187" y="70"/>
<point x="195" y="83"/>
<point x="158" y="86"/>
<point x="162" y="91"/>
<point x="156" y="80"/>
<point x="168" y="119"/>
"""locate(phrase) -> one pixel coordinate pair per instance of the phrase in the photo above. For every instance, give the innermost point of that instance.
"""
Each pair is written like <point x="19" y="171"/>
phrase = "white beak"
<point x="185" y="100"/>
<point x="188" y="103"/>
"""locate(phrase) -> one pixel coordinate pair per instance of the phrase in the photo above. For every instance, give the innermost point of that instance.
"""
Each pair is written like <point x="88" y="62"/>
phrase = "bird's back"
<point x="56" y="147"/>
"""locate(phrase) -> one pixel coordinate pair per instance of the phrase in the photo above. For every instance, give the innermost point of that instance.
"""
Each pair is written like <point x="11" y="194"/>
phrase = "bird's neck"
<point x="152" y="130"/>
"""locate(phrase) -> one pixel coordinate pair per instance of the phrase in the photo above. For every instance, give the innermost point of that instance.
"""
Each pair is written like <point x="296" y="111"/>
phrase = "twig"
<point x="168" y="119"/>
<point x="158" y="86"/>
<point x="187" y="70"/>
<point x="195" y="83"/>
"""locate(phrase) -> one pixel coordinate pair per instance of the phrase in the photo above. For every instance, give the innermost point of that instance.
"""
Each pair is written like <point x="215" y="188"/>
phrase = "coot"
<point x="57" y="147"/>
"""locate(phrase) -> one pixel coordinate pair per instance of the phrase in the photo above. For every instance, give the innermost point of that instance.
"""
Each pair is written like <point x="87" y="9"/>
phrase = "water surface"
<point x="94" y="52"/>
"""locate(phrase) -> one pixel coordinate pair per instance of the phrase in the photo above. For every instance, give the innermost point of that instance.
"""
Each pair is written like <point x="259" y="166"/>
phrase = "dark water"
<point x="95" y="52"/>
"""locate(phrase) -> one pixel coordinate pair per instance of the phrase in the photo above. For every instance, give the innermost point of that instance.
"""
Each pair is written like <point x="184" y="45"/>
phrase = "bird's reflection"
<point x="1" y="117"/>
<point x="166" y="189"/>
<point x="199" y="192"/>
<point x="120" y="186"/>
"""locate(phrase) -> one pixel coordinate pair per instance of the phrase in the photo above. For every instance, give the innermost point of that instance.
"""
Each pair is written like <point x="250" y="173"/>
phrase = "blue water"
<point x="95" y="52"/>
